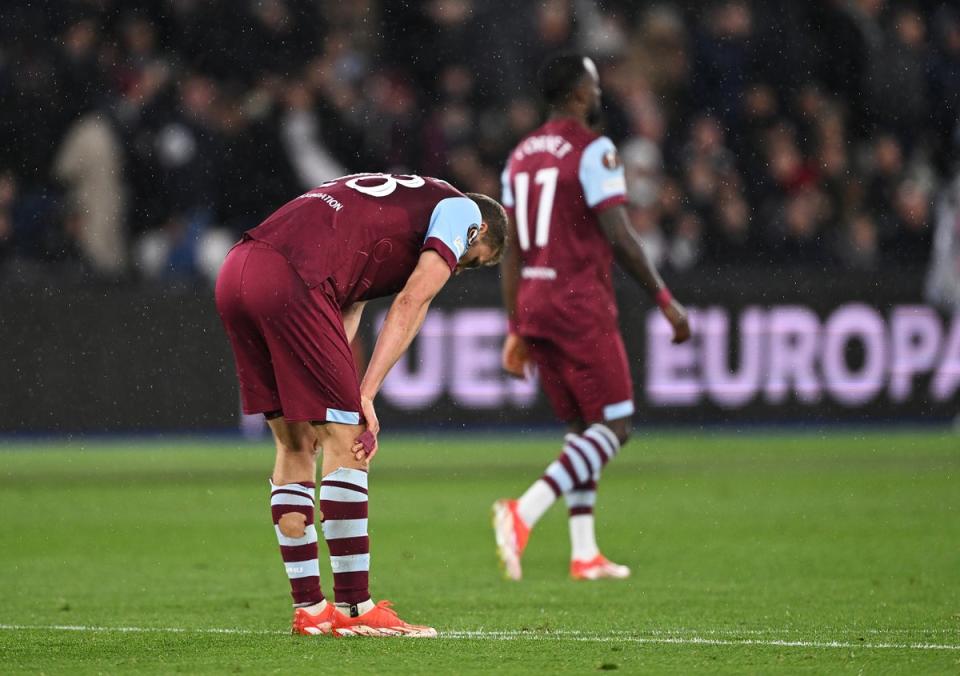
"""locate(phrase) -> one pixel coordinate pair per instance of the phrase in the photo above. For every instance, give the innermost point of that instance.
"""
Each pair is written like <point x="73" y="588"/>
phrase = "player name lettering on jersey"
<point x="549" y="143"/>
<point x="324" y="197"/>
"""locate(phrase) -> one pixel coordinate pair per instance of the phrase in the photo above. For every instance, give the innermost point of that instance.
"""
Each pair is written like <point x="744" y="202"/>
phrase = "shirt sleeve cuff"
<point x="609" y="202"/>
<point x="438" y="245"/>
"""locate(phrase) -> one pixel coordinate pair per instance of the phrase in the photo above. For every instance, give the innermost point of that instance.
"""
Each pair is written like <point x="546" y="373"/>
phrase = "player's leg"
<point x="343" y="515"/>
<point x="541" y="495"/>
<point x="582" y="499"/>
<point x="343" y="505"/>
<point x="292" y="506"/>
<point x="577" y="383"/>
<point x="573" y="474"/>
<point x="514" y="519"/>
<point x="319" y="394"/>
<point x="586" y="561"/>
<point x="605" y="395"/>
<point x="318" y="384"/>
<point x="344" y="491"/>
<point x="574" y="471"/>
<point x="241" y="297"/>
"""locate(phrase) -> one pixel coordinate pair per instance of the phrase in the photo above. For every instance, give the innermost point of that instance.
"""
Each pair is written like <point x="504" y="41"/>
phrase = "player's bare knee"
<point x="337" y="442"/>
<point x="296" y="440"/>
<point x="293" y="524"/>
<point x="304" y="444"/>
<point x="337" y="452"/>
<point x="307" y="446"/>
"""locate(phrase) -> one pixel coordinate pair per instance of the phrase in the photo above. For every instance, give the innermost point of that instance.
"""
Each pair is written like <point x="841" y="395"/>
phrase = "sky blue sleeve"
<point x="601" y="174"/>
<point x="449" y="227"/>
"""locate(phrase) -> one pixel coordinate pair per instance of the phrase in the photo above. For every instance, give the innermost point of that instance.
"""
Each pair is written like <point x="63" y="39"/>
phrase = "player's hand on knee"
<point x="365" y="446"/>
<point x="515" y="355"/>
<point x="676" y="314"/>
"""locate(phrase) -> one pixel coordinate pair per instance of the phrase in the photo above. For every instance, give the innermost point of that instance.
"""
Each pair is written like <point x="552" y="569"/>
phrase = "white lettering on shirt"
<point x="324" y="197"/>
<point x="548" y="143"/>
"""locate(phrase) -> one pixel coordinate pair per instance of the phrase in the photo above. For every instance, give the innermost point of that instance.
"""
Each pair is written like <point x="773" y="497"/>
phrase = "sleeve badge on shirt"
<point x="472" y="233"/>
<point x="611" y="159"/>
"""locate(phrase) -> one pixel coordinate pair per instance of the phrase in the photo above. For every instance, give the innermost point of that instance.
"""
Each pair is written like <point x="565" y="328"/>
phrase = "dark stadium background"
<point x="792" y="168"/>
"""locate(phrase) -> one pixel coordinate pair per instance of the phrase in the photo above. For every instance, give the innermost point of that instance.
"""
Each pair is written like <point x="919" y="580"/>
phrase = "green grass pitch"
<point x="805" y="553"/>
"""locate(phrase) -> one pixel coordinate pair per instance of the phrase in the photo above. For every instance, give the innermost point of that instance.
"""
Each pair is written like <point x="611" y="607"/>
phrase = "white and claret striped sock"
<point x="343" y="505"/>
<point x="583" y="540"/>
<point x="292" y="506"/>
<point x="583" y="458"/>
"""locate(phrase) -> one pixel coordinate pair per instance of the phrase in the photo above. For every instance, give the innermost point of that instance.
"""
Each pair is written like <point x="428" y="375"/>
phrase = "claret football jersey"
<point x="364" y="233"/>
<point x="555" y="183"/>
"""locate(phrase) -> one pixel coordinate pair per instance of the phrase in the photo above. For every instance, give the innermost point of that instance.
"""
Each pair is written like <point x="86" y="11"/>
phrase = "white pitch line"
<point x="766" y="632"/>
<point x="721" y="632"/>
<point x="136" y="630"/>
<point x="660" y="637"/>
<point x="696" y="640"/>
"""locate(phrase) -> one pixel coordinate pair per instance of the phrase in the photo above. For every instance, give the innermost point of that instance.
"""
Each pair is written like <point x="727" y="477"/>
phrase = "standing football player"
<point x="290" y="295"/>
<point x="565" y="192"/>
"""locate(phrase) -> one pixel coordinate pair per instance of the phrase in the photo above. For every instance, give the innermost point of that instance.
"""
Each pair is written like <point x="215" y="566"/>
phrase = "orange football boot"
<point x="599" y="567"/>
<point x="380" y="621"/>
<point x="313" y="625"/>
<point x="512" y="535"/>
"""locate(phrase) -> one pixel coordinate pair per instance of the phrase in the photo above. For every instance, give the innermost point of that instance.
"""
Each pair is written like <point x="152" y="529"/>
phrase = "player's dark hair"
<point x="495" y="217"/>
<point x="559" y="76"/>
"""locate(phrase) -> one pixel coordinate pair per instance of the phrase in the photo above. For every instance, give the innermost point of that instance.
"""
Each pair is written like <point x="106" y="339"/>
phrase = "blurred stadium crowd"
<point x="139" y="138"/>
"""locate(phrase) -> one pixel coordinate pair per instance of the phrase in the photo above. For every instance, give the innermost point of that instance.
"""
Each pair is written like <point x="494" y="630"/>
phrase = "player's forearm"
<point x="403" y="321"/>
<point x="639" y="266"/>
<point x="351" y="319"/>
<point x="629" y="251"/>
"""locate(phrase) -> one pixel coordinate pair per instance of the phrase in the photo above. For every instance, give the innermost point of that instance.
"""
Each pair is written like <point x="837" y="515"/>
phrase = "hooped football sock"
<point x="583" y="457"/>
<point x="292" y="507"/>
<point x="343" y="504"/>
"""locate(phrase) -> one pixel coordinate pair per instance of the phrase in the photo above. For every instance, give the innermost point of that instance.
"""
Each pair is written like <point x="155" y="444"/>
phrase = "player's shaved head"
<point x="495" y="217"/>
<point x="560" y="75"/>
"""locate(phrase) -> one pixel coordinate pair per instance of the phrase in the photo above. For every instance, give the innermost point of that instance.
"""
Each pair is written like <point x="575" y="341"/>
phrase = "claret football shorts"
<point x="587" y="379"/>
<point x="290" y="347"/>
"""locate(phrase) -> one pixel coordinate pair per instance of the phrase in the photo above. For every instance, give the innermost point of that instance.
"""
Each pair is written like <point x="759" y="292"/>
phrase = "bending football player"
<point x="290" y="295"/>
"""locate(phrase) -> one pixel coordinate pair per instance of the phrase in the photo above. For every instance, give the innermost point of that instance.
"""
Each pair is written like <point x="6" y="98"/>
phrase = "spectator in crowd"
<point x="302" y="141"/>
<point x="90" y="164"/>
<point x="187" y="145"/>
